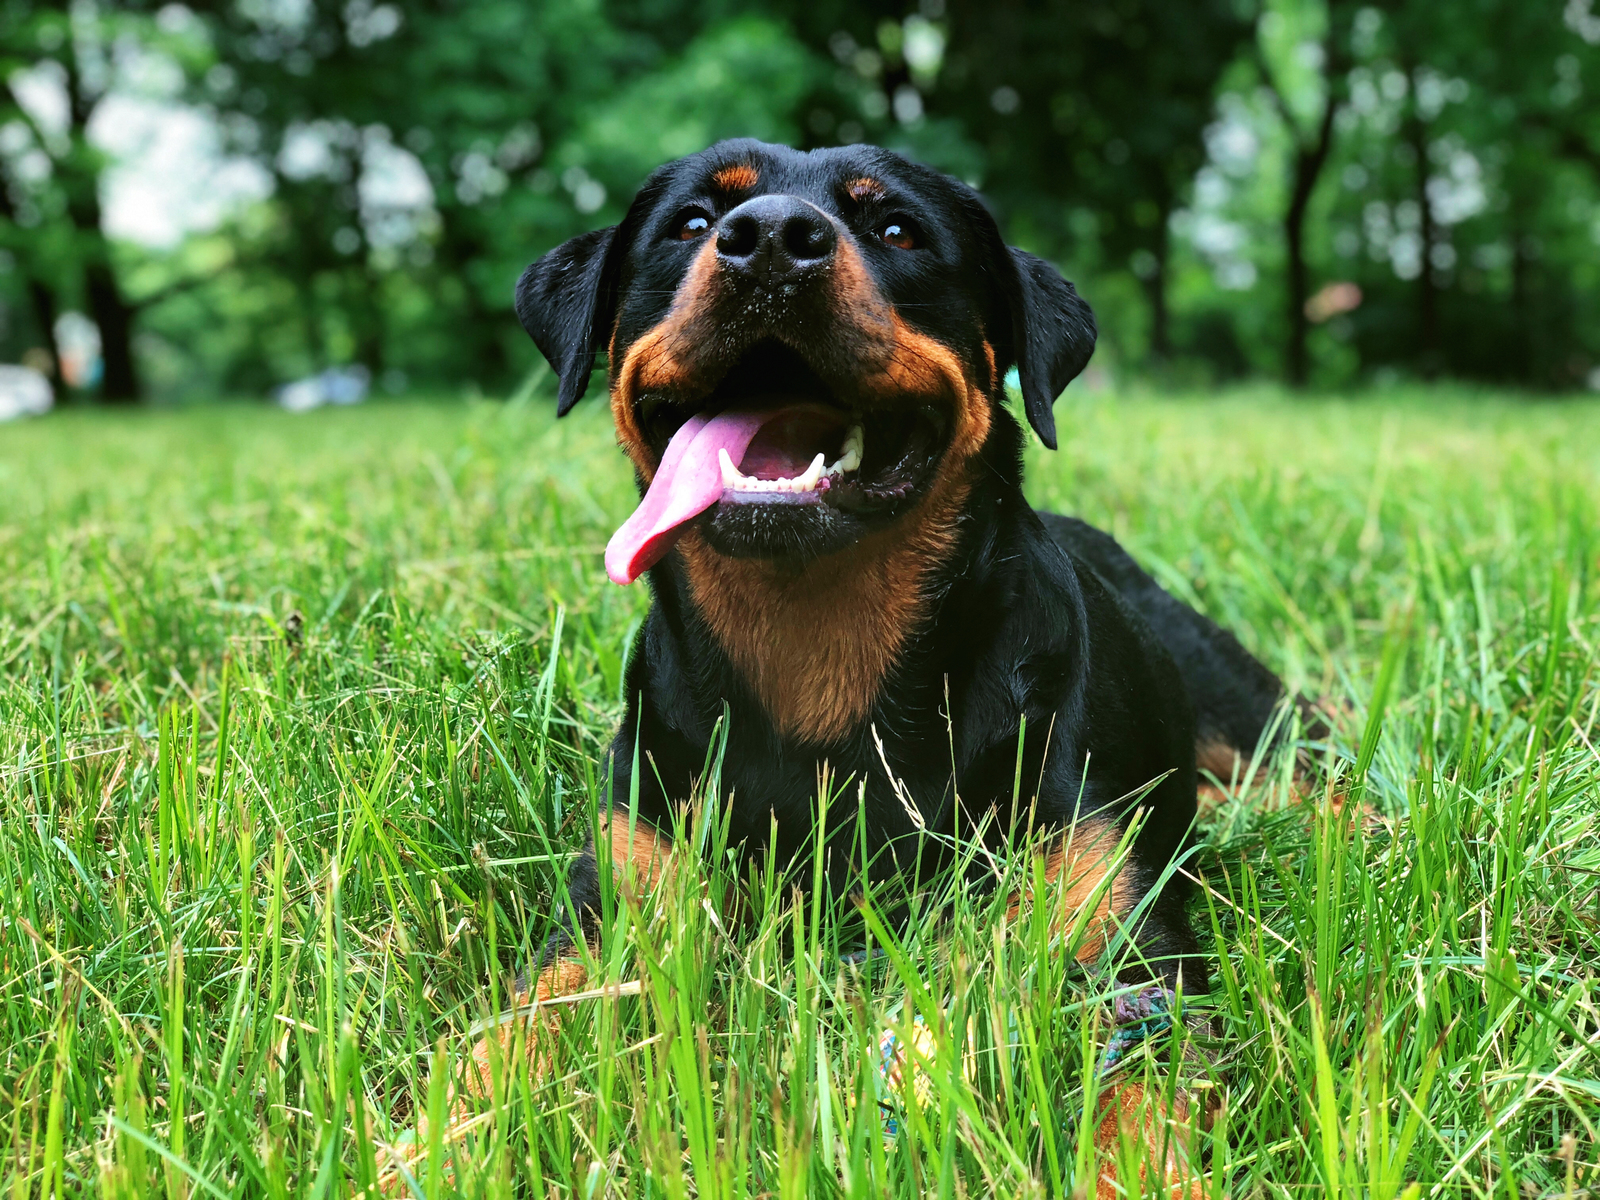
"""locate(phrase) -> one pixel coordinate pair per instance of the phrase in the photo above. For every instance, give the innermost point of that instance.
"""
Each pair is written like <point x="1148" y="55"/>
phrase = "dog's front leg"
<point x="1138" y="1123"/>
<point x="641" y="857"/>
<point x="1082" y="876"/>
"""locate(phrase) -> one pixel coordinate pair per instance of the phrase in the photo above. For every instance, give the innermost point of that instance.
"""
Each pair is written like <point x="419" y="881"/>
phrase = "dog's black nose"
<point x="774" y="238"/>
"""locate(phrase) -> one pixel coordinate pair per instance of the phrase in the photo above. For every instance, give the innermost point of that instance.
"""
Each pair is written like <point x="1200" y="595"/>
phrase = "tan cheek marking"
<point x="872" y="320"/>
<point x="663" y="357"/>
<point x="924" y="366"/>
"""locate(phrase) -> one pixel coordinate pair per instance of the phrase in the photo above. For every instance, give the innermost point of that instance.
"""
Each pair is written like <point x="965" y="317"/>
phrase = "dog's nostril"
<point x="738" y="237"/>
<point x="808" y="237"/>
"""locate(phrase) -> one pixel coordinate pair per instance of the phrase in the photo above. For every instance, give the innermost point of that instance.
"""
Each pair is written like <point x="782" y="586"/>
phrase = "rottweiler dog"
<point x="808" y="355"/>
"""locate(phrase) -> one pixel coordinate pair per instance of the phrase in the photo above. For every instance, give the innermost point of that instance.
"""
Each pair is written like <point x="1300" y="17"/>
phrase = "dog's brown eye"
<point x="693" y="225"/>
<point x="899" y="234"/>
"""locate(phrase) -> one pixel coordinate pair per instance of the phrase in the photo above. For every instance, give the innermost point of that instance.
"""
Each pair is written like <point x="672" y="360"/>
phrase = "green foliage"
<point x="1202" y="169"/>
<point x="300" y="722"/>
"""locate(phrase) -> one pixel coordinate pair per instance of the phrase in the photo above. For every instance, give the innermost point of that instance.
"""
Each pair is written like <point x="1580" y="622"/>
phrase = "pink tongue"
<point x="688" y="481"/>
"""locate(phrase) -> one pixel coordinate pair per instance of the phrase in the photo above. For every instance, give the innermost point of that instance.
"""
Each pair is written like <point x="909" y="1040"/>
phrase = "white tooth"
<point x="804" y="483"/>
<point x="850" y="458"/>
<point x="730" y="473"/>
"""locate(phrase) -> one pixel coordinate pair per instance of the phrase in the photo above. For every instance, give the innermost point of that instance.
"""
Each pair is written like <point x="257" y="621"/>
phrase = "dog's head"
<point x="802" y="345"/>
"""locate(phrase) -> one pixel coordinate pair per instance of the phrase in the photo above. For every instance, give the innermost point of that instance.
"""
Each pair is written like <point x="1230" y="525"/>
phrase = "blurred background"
<point x="311" y="199"/>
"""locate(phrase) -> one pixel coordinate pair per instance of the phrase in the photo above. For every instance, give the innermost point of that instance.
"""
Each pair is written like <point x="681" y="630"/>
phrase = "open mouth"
<point x="809" y="445"/>
<point x="770" y="437"/>
<point x="770" y="471"/>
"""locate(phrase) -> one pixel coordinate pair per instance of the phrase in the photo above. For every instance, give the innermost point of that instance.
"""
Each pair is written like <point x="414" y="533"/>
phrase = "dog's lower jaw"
<point x="815" y="642"/>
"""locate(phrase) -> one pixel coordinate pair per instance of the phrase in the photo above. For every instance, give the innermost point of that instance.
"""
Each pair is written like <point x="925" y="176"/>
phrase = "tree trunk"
<point x="1308" y="164"/>
<point x="1310" y="156"/>
<point x="40" y="294"/>
<point x="1429" y="353"/>
<point x="45" y="311"/>
<point x="1521" y="316"/>
<point x="114" y="317"/>
<point x="1156" y="287"/>
<point x="80" y="178"/>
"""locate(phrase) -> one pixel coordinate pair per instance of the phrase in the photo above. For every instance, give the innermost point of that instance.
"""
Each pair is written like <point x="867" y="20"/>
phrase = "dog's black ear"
<point x="1052" y="334"/>
<point x="566" y="301"/>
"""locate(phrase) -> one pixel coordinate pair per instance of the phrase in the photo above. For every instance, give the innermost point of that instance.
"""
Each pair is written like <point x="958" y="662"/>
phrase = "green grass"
<point x="300" y="721"/>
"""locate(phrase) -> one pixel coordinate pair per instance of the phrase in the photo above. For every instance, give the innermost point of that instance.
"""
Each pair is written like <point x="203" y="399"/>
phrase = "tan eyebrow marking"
<point x="737" y="177"/>
<point x="865" y="188"/>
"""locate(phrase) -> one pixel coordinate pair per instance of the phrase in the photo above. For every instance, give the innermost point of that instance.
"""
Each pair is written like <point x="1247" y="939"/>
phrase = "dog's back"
<point x="1235" y="697"/>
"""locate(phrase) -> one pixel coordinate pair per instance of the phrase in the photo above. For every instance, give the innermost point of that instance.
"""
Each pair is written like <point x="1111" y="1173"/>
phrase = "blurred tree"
<point x="1479" y="223"/>
<point x="62" y="60"/>
<point x="519" y="127"/>
<point x="1531" y="114"/>
<point x="1090" y="117"/>
<point x="77" y="173"/>
<point x="1304" y="54"/>
<point x="25" y="251"/>
<point x="1209" y="168"/>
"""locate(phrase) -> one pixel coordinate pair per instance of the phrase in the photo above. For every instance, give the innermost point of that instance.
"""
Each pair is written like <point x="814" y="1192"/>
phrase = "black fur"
<point x="1033" y="615"/>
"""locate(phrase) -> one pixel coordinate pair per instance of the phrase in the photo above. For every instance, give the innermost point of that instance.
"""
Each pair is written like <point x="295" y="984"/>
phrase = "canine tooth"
<point x="730" y="473"/>
<point x="804" y="483"/>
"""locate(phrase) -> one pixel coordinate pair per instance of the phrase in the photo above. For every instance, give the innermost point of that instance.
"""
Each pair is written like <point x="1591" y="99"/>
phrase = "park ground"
<point x="300" y="723"/>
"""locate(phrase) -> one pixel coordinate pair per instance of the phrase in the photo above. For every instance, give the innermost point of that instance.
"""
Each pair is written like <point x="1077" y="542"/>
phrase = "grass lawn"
<point x="300" y="722"/>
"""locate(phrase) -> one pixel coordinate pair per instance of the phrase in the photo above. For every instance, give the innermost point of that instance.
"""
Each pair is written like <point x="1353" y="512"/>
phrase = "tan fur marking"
<point x="816" y="645"/>
<point x="738" y="177"/>
<point x="1226" y="764"/>
<point x="560" y="978"/>
<point x="1085" y="854"/>
<point x="864" y="189"/>
<point x="1219" y="758"/>
<point x="642" y="860"/>
<point x="1207" y="799"/>
<point x="663" y="357"/>
<point x="1214" y="760"/>
<point x="1129" y="1111"/>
